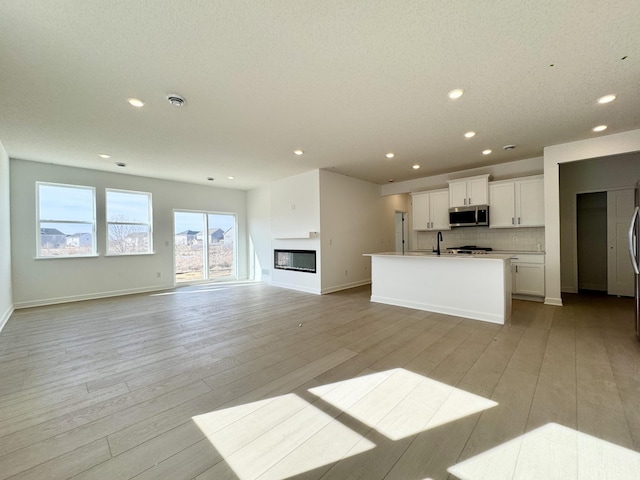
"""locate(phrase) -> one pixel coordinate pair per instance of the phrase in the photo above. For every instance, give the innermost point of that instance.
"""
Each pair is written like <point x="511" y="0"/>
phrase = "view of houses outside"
<point x="191" y="242"/>
<point x="54" y="241"/>
<point x="66" y="217"/>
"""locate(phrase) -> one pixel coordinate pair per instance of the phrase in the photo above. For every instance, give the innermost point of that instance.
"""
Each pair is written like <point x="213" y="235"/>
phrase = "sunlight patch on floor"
<point x="278" y="438"/>
<point x="552" y="452"/>
<point x="404" y="403"/>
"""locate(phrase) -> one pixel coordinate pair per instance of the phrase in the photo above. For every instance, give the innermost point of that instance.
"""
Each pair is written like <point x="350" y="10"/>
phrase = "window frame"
<point x="149" y="195"/>
<point x="39" y="221"/>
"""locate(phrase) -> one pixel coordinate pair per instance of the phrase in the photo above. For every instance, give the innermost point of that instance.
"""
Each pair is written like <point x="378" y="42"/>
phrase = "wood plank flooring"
<point x="250" y="381"/>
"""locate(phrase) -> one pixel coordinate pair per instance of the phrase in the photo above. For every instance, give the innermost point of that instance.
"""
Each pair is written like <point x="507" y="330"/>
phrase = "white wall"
<point x="603" y="146"/>
<point x="593" y="175"/>
<point x="259" y="226"/>
<point x="45" y="281"/>
<point x="295" y="211"/>
<point x="354" y="220"/>
<point x="6" y="296"/>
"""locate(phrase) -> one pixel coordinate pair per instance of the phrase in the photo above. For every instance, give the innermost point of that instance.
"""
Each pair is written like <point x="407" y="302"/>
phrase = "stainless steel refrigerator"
<point x="634" y="251"/>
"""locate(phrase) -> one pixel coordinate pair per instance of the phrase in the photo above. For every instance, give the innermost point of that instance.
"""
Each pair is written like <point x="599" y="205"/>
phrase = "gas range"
<point x="469" y="250"/>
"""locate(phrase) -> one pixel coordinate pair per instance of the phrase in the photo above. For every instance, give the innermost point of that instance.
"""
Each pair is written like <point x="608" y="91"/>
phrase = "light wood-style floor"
<point x="252" y="381"/>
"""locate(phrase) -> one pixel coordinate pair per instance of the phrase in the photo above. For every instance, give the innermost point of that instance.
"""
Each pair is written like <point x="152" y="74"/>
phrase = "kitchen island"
<point x="470" y="286"/>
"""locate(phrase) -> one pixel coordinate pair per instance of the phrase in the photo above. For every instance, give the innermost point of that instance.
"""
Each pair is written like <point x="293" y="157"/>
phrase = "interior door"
<point x="620" y="279"/>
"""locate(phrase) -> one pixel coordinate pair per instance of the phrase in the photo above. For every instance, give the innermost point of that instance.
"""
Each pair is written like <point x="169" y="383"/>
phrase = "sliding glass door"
<point x="204" y="246"/>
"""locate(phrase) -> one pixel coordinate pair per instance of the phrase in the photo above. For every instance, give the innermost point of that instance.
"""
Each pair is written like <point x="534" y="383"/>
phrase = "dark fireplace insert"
<point x="298" y="260"/>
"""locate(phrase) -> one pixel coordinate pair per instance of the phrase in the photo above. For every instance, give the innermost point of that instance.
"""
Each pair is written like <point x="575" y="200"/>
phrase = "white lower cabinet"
<point x="527" y="274"/>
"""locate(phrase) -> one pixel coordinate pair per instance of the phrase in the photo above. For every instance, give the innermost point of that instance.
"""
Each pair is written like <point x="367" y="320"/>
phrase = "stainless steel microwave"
<point x="473" y="216"/>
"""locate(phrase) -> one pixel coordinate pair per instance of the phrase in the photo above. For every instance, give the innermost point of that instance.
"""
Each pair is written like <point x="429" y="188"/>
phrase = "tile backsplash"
<point x="516" y="239"/>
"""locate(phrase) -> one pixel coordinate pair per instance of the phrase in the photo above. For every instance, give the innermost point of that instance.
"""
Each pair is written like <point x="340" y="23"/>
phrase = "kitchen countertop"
<point x="500" y="252"/>
<point x="429" y="254"/>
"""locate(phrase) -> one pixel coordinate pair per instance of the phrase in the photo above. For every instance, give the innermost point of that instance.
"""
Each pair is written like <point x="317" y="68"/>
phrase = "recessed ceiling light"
<point x="231" y="178"/>
<point x="509" y="147"/>
<point x="390" y="155"/>
<point x="391" y="180"/>
<point x="211" y="179"/>
<point x="457" y="93"/>
<point x="599" y="128"/>
<point x="135" y="102"/>
<point x="298" y="152"/>
<point x="470" y="134"/>
<point x="486" y="152"/>
<point x="607" y="98"/>
<point x="416" y="166"/>
<point x="120" y="164"/>
<point x="104" y="155"/>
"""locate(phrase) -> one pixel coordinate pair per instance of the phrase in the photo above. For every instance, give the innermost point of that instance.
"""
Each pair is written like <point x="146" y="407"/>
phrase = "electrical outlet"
<point x="515" y="239"/>
<point x="158" y="274"/>
<point x="346" y="272"/>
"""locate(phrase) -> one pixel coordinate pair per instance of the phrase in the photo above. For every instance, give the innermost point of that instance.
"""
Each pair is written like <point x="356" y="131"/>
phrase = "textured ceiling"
<point x="345" y="81"/>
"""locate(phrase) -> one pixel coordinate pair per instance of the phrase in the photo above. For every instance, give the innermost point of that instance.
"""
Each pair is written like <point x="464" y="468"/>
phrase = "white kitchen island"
<point x="470" y="286"/>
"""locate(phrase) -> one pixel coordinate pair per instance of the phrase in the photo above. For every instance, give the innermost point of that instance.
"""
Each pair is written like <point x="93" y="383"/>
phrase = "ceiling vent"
<point x="176" y="100"/>
<point x="508" y="147"/>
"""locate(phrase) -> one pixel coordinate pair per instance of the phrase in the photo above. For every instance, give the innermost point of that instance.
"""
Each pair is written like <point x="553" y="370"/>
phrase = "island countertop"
<point x="462" y="285"/>
<point x="427" y="254"/>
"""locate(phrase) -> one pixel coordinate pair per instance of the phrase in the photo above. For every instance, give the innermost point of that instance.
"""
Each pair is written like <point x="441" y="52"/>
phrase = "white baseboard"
<point x="5" y="317"/>
<point x="557" y="302"/>
<point x="88" y="296"/>
<point x="290" y="286"/>
<point x="346" y="286"/>
<point x="568" y="289"/>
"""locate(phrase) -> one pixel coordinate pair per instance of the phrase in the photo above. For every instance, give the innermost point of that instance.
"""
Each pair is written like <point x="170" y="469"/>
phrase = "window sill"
<point x="57" y="257"/>
<point x="133" y="254"/>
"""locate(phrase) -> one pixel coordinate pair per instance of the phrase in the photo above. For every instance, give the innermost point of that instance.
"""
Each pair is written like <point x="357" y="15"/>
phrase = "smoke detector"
<point x="508" y="147"/>
<point x="176" y="100"/>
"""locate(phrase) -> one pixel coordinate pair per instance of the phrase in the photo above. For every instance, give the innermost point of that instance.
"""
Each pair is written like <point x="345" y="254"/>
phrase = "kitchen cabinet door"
<point x="530" y="202"/>
<point x="439" y="203"/>
<point x="477" y="192"/>
<point x="502" y="205"/>
<point x="458" y="194"/>
<point x="528" y="279"/>
<point x="420" y="211"/>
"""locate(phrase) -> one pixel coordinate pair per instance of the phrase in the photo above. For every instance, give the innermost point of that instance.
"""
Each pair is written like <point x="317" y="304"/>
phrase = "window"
<point x="129" y="222"/>
<point x="66" y="220"/>
<point x="204" y="246"/>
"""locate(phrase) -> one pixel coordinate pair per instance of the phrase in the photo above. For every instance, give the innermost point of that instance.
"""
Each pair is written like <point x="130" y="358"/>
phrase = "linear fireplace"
<point x="298" y="260"/>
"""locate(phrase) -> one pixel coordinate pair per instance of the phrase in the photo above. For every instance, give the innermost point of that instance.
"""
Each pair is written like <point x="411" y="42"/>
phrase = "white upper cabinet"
<point x="430" y="210"/>
<point x="469" y="191"/>
<point x="517" y="203"/>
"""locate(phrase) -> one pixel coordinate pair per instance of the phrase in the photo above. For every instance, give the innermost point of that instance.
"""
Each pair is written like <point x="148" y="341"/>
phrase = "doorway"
<point x="592" y="241"/>
<point x="602" y="220"/>
<point x="204" y="246"/>
<point x="402" y="232"/>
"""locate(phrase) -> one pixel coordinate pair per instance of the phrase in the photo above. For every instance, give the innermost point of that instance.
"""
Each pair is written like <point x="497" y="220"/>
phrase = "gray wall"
<point x="44" y="281"/>
<point x="6" y="299"/>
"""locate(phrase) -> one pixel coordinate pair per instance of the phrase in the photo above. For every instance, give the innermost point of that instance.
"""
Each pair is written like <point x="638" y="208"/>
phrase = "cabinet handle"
<point x="465" y="201"/>
<point x="516" y="268"/>
<point x="518" y="220"/>
<point x="513" y="221"/>
<point x="469" y="200"/>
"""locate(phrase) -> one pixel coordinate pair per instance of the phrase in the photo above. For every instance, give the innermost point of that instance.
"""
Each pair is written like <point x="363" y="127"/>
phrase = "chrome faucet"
<point x="439" y="238"/>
